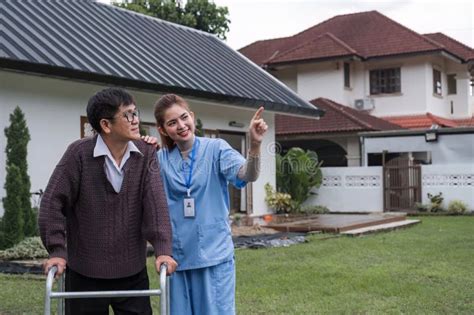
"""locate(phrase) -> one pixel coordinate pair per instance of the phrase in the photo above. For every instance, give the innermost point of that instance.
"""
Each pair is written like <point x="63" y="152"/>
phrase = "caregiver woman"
<point x="196" y="172"/>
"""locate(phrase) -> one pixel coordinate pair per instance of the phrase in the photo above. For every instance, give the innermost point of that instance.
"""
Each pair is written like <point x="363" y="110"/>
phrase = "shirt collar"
<point x="102" y="149"/>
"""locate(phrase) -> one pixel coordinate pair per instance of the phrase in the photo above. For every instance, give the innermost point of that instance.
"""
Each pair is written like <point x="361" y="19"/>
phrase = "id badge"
<point x="189" y="208"/>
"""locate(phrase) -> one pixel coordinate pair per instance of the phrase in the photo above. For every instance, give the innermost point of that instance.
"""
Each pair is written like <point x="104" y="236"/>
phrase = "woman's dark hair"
<point x="105" y="104"/>
<point x="161" y="106"/>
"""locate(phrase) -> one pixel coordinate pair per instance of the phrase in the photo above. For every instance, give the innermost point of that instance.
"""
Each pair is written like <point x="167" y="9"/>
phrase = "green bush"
<point x="436" y="202"/>
<point x="298" y="172"/>
<point x="29" y="248"/>
<point x="280" y="202"/>
<point x="314" y="210"/>
<point x="457" y="207"/>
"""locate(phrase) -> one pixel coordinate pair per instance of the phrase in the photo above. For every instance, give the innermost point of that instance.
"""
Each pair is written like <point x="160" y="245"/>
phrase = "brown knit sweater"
<point x="105" y="231"/>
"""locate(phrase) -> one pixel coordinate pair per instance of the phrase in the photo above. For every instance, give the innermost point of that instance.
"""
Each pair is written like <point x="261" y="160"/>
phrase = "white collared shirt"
<point x="113" y="171"/>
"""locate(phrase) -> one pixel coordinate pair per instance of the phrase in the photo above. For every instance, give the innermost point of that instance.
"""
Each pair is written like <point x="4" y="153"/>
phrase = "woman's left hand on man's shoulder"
<point x="151" y="140"/>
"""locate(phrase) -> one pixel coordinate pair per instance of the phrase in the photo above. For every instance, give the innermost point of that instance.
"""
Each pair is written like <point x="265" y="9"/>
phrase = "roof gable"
<point x="92" y="41"/>
<point x="324" y="46"/>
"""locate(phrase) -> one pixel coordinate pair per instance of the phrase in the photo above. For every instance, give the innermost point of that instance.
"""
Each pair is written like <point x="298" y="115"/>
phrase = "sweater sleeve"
<point x="156" y="227"/>
<point x="58" y="198"/>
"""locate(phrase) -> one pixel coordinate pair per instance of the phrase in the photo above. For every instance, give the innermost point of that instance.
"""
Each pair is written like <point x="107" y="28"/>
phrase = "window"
<point x="347" y="75"/>
<point x="436" y="82"/>
<point x="452" y="88"/>
<point x="385" y="81"/>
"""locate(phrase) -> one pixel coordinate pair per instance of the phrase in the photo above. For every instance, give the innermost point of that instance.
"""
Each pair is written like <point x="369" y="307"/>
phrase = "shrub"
<point x="29" y="248"/>
<point x="280" y="202"/>
<point x="436" y="202"/>
<point x="237" y="219"/>
<point x="314" y="210"/>
<point x="457" y="207"/>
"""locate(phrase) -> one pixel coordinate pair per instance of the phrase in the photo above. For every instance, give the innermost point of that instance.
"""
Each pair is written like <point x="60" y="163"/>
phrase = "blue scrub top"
<point x="204" y="240"/>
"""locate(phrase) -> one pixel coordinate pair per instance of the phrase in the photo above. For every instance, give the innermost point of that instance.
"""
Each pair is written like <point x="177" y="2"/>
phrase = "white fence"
<point x="456" y="182"/>
<point x="350" y="189"/>
<point x="360" y="189"/>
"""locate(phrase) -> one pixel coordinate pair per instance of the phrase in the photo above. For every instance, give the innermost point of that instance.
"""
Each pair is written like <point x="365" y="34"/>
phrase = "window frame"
<point x="437" y="82"/>
<point x="452" y="84"/>
<point x="385" y="81"/>
<point x="347" y="74"/>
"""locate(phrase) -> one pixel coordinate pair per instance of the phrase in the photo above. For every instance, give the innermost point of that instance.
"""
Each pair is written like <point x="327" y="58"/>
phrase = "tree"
<point x="12" y="222"/>
<point x="18" y="136"/>
<point x="203" y="15"/>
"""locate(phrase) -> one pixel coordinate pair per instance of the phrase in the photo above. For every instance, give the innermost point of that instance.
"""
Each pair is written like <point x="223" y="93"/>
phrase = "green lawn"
<point x="425" y="269"/>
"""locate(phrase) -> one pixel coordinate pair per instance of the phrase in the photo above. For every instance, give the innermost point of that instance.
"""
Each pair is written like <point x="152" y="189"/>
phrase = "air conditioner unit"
<point x="364" y="104"/>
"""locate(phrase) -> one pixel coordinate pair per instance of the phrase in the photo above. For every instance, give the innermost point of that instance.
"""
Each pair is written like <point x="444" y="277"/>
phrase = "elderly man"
<point x="104" y="200"/>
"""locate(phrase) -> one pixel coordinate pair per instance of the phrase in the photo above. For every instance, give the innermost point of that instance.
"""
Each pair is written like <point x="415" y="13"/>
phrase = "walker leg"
<point x="61" y="308"/>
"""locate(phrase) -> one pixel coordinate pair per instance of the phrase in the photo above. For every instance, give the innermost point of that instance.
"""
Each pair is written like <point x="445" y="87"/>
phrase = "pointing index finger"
<point x="258" y="113"/>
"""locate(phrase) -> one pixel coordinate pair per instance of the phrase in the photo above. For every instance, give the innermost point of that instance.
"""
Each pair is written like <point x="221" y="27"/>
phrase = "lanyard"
<point x="188" y="180"/>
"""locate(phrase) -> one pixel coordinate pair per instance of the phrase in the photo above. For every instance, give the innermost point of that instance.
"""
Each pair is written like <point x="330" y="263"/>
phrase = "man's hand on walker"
<point x="169" y="261"/>
<point x="55" y="261"/>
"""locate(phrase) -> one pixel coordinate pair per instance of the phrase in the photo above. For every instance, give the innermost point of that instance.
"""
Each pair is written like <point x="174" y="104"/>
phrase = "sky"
<point x="253" y="20"/>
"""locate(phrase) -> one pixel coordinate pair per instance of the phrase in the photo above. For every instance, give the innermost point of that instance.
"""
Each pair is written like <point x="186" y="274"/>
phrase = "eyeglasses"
<point x="131" y="115"/>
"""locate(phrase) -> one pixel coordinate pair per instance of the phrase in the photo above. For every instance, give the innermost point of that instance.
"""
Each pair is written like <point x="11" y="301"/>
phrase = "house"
<point x="370" y="62"/>
<point x="55" y="55"/>
<point x="334" y="137"/>
<point x="377" y="75"/>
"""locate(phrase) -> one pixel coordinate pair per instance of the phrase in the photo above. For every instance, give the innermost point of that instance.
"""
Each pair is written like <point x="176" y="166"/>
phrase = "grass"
<point x="426" y="269"/>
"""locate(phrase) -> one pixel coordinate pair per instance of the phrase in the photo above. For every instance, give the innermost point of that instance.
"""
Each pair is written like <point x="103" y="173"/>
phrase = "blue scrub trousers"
<point x="209" y="291"/>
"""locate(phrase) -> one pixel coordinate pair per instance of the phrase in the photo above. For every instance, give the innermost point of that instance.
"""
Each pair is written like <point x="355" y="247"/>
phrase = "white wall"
<point x="350" y="189"/>
<point x="326" y="79"/>
<point x="441" y="105"/>
<point x="321" y="80"/>
<point x="449" y="149"/>
<point x="412" y="98"/>
<point x="53" y="108"/>
<point x="456" y="182"/>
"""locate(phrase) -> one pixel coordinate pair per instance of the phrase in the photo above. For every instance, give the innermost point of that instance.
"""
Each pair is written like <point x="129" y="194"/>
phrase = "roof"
<point x="456" y="48"/>
<point x="91" y="41"/>
<point x="362" y="35"/>
<point x="427" y="120"/>
<point x="338" y="118"/>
